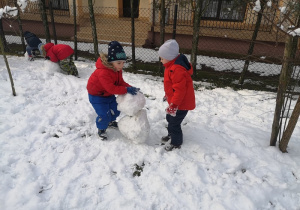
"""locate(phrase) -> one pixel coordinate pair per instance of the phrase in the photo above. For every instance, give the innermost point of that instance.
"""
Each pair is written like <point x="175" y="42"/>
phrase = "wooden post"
<point x="290" y="127"/>
<point x="94" y="29"/>
<point x="283" y="81"/>
<point x="20" y="26"/>
<point x="7" y="66"/>
<point x="196" y="29"/>
<point x="252" y="43"/>
<point x="132" y="36"/>
<point x="75" y="29"/>
<point x="45" y="20"/>
<point x="52" y="22"/>
<point x="162" y="29"/>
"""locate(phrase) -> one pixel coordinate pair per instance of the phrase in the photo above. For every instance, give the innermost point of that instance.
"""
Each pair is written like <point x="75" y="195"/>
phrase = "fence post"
<point x="45" y="20"/>
<point x="52" y="22"/>
<point x="251" y="46"/>
<point x="290" y="127"/>
<point x="94" y="29"/>
<point x="175" y="21"/>
<point x="75" y="29"/>
<point x="153" y="24"/>
<point x="289" y="53"/>
<point x="7" y="65"/>
<point x="162" y="29"/>
<point x="20" y="26"/>
<point x="196" y="29"/>
<point x="3" y="39"/>
<point x="132" y="36"/>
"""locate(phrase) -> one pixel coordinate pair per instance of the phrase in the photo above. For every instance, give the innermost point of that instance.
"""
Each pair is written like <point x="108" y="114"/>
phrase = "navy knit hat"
<point x="115" y="52"/>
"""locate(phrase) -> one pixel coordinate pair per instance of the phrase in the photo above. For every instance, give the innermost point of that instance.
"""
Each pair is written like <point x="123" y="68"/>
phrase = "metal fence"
<point x="223" y="45"/>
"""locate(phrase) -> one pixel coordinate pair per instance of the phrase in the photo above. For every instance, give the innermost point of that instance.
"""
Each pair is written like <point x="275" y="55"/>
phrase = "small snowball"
<point x="131" y="104"/>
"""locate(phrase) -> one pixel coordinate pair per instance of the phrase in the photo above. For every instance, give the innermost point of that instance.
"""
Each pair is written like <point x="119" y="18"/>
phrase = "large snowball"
<point x="135" y="128"/>
<point x="131" y="104"/>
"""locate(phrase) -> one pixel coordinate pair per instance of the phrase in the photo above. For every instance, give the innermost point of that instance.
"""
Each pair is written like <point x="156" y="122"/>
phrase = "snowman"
<point x="134" y="125"/>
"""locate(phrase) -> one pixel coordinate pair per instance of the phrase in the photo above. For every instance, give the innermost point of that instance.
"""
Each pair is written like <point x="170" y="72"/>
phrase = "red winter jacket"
<point x="106" y="82"/>
<point x="58" y="52"/>
<point x="178" y="83"/>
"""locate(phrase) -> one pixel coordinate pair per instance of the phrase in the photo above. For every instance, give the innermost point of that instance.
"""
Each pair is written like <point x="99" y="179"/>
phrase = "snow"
<point x="134" y="125"/>
<point x="52" y="158"/>
<point x="295" y="32"/>
<point x="257" y="6"/>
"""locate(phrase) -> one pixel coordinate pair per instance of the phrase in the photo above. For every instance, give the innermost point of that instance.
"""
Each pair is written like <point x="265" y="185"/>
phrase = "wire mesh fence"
<point x="222" y="50"/>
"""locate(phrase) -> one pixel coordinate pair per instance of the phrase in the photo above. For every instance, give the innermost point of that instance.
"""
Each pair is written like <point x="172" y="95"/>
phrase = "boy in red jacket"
<point x="104" y="83"/>
<point x="61" y="54"/>
<point x="179" y="91"/>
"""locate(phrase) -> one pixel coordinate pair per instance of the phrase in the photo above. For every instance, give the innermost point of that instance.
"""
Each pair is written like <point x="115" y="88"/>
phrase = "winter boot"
<point x="170" y="147"/>
<point x="30" y="58"/>
<point x="102" y="134"/>
<point x="165" y="139"/>
<point x="113" y="124"/>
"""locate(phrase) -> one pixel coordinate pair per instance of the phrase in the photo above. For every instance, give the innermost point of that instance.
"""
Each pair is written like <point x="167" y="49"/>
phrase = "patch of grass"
<point x="138" y="169"/>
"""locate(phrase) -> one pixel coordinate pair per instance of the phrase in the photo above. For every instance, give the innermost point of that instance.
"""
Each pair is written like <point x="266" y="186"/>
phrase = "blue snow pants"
<point x="174" y="127"/>
<point x="106" y="109"/>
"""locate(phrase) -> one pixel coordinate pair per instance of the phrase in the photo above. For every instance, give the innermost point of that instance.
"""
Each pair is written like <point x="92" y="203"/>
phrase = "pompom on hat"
<point x="169" y="50"/>
<point x="115" y="52"/>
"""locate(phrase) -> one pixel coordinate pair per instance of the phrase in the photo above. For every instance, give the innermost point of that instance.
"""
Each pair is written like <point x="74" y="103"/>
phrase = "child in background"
<point x="104" y="83"/>
<point x="61" y="54"/>
<point x="32" y="44"/>
<point x="179" y="91"/>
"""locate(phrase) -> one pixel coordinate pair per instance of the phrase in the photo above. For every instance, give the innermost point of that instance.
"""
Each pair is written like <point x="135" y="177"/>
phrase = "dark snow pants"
<point x="174" y="127"/>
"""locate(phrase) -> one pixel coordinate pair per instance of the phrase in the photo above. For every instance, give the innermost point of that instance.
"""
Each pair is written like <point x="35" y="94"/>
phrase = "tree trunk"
<point x="75" y="28"/>
<point x="94" y="29"/>
<point x="196" y="30"/>
<point x="3" y="39"/>
<point x="20" y="26"/>
<point x="132" y="36"/>
<point x="45" y="20"/>
<point x="7" y="65"/>
<point x="290" y="127"/>
<point x="52" y="22"/>
<point x="287" y="66"/>
<point x="251" y="47"/>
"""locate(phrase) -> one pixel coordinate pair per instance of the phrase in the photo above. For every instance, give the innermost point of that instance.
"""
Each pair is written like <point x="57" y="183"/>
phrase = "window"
<point x="223" y="10"/>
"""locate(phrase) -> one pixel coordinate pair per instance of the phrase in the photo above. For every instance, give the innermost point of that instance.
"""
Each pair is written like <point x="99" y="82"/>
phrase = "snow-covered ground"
<point x="52" y="158"/>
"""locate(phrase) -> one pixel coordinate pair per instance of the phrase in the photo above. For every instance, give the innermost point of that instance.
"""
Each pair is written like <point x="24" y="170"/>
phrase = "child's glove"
<point x="172" y="109"/>
<point x="165" y="98"/>
<point x="132" y="90"/>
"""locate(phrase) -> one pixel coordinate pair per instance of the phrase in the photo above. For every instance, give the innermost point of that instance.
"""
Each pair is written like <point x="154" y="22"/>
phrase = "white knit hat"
<point x="169" y="50"/>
